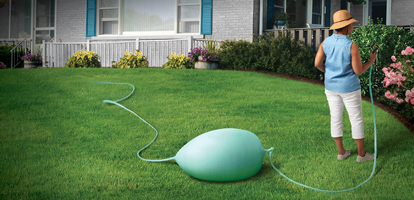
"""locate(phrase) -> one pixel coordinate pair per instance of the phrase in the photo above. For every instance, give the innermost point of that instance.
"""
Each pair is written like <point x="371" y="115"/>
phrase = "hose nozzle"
<point x="376" y="47"/>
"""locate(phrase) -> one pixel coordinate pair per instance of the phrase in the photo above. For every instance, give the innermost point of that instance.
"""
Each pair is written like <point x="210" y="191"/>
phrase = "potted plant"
<point x="2" y="65"/>
<point x="203" y="58"/>
<point x="32" y="61"/>
<point x="357" y="2"/>
<point x="280" y="19"/>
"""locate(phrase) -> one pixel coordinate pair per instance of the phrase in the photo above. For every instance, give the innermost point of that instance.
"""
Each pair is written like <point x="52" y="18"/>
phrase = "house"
<point x="62" y="21"/>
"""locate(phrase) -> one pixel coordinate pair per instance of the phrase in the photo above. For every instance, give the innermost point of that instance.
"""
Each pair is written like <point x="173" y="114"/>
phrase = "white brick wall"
<point x="71" y="21"/>
<point x="357" y="13"/>
<point x="402" y="12"/>
<point x="233" y="19"/>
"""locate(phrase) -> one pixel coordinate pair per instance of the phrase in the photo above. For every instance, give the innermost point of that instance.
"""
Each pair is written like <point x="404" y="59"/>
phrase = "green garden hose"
<point x="270" y="154"/>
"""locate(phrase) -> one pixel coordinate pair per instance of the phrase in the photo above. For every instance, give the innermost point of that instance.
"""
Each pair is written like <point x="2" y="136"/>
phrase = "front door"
<point x="378" y="11"/>
<point x="44" y="23"/>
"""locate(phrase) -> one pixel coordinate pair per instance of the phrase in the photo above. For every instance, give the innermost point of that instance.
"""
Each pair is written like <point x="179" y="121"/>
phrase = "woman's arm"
<point x="357" y="65"/>
<point x="319" y="58"/>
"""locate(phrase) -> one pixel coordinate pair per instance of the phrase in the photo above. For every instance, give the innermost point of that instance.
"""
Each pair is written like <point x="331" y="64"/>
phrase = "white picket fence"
<point x="313" y="37"/>
<point x="56" y="54"/>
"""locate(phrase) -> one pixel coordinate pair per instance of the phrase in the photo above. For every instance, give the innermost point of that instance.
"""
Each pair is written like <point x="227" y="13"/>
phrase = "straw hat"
<point x="341" y="19"/>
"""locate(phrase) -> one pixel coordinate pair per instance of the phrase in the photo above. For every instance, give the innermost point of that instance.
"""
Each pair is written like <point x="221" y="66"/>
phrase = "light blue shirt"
<point x="339" y="75"/>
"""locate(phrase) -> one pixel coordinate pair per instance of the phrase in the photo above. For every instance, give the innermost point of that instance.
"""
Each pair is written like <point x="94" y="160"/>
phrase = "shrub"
<point x="236" y="54"/>
<point x="399" y="81"/>
<point x="5" y="55"/>
<point x="136" y="60"/>
<point x="178" y="62"/>
<point x="282" y="54"/>
<point x="84" y="59"/>
<point x="390" y="41"/>
<point x="296" y="58"/>
<point x="399" y="77"/>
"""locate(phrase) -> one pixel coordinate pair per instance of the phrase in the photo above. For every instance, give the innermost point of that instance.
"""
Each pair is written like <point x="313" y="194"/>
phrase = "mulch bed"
<point x="392" y="111"/>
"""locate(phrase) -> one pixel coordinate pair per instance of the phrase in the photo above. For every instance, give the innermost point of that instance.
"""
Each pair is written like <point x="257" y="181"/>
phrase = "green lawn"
<point x="60" y="141"/>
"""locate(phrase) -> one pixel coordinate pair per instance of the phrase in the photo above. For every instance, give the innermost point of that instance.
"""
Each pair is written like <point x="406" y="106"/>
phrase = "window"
<point x="189" y="16"/>
<point x="145" y="16"/>
<point x="279" y="6"/>
<point x="5" y="21"/>
<point x="135" y="17"/>
<point x="378" y="11"/>
<point x="45" y="15"/>
<point x="21" y="16"/>
<point x="317" y="12"/>
<point x="45" y="20"/>
<point x="109" y="17"/>
<point x="344" y="5"/>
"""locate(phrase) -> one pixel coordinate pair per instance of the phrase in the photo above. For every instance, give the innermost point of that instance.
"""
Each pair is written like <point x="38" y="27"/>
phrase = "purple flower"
<point x="29" y="57"/>
<point x="2" y="65"/>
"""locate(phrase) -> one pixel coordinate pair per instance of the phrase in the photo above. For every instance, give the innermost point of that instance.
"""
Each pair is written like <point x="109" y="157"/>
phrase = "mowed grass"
<point x="60" y="141"/>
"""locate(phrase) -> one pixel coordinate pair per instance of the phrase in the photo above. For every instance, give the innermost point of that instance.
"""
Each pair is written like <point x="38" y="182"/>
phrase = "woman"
<point x="342" y="66"/>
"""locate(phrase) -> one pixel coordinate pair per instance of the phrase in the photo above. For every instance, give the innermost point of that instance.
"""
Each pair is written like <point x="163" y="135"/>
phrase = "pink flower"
<point x="397" y="77"/>
<point x="408" y="50"/>
<point x="398" y="65"/>
<point x="390" y="96"/>
<point x="409" y="96"/>
<point x="399" y="100"/>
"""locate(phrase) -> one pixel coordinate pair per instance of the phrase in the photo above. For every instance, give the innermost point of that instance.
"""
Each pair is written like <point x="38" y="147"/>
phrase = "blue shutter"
<point x="90" y="18"/>
<point x="206" y="17"/>
<point x="270" y="13"/>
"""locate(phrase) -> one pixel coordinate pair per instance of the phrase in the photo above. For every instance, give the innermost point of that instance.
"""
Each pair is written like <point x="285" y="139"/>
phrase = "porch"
<point x="156" y="50"/>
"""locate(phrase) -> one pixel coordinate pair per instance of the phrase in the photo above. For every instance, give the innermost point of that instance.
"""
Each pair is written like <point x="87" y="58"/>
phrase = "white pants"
<point x="353" y="105"/>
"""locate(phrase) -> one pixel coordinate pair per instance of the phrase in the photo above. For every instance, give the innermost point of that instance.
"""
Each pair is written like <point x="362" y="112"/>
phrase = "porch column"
<point x="261" y="18"/>
<point x="43" y="53"/>
<point x="190" y="43"/>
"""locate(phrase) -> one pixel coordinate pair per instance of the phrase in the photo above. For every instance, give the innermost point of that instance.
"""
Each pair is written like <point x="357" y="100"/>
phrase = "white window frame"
<point x="99" y="20"/>
<point x="366" y="12"/>
<point x="277" y="6"/>
<point x="310" y="13"/>
<point x="189" y="19"/>
<point x="34" y="22"/>
<point x="144" y="33"/>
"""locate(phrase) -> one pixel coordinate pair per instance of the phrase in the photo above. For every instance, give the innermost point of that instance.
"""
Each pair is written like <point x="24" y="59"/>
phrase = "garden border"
<point x="388" y="109"/>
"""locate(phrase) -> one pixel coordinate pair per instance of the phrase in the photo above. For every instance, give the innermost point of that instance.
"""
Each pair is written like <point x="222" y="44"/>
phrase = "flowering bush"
<point x="2" y="65"/>
<point x="178" y="62"/>
<point x="33" y="58"/>
<point x="399" y="78"/>
<point x="84" y="59"/>
<point x="136" y="60"/>
<point x="205" y="54"/>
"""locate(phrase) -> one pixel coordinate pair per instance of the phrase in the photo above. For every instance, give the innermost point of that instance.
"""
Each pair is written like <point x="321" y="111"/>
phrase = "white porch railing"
<point x="313" y="37"/>
<point x="56" y="54"/>
<point x="23" y="47"/>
